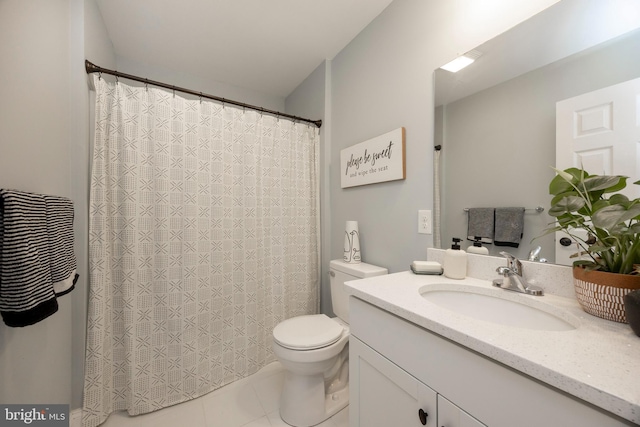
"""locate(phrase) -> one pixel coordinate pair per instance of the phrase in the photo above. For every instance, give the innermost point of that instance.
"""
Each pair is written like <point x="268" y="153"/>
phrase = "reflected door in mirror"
<point x="600" y="132"/>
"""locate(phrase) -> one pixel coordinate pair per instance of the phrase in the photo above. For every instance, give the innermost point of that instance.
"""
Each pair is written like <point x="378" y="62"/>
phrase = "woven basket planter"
<point x="602" y="294"/>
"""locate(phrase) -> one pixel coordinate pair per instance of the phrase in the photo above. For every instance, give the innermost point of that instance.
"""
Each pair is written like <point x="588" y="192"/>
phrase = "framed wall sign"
<point x="379" y="159"/>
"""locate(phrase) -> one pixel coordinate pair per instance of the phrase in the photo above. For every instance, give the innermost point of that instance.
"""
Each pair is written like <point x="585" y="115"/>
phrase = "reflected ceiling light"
<point x="462" y="61"/>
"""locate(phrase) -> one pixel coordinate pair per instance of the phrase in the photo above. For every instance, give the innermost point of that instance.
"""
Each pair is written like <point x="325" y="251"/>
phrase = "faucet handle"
<point x="513" y="263"/>
<point x="503" y="271"/>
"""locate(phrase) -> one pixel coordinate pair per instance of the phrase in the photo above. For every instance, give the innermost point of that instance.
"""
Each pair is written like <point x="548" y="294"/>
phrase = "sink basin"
<point x="502" y="309"/>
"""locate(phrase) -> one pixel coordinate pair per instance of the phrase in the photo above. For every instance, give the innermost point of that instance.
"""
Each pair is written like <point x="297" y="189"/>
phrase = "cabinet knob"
<point x="423" y="417"/>
<point x="565" y="241"/>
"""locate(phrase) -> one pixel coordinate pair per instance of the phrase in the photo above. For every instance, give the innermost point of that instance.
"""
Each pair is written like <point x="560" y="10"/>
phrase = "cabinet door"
<point x="384" y="395"/>
<point x="449" y="415"/>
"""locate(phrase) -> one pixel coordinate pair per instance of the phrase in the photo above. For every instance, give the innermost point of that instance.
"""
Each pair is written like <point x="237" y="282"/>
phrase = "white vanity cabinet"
<point x="397" y="368"/>
<point x="386" y="395"/>
<point x="449" y="415"/>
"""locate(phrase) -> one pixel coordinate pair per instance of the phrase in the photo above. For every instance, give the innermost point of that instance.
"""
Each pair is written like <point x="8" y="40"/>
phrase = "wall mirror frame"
<point x="495" y="120"/>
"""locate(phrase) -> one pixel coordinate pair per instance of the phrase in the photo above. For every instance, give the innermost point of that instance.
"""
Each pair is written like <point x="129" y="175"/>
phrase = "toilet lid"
<point x="307" y="332"/>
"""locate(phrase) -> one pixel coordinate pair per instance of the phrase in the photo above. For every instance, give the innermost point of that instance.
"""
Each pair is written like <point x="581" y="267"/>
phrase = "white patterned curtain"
<point x="203" y="236"/>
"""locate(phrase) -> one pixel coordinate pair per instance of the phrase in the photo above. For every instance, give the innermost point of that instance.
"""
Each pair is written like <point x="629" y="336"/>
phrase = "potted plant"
<point x="606" y="225"/>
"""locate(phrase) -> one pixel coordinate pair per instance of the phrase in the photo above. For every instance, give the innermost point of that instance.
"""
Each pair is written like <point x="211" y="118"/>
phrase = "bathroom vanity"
<point x="416" y="361"/>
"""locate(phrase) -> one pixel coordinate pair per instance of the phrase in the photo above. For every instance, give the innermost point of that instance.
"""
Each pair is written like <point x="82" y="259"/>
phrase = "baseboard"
<point x="75" y="418"/>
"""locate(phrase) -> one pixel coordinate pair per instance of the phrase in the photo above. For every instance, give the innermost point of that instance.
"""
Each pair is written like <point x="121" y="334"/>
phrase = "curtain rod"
<point x="92" y="68"/>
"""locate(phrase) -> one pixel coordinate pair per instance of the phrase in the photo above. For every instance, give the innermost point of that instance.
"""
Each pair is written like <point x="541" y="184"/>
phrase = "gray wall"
<point x="199" y="84"/>
<point x="44" y="132"/>
<point x="309" y="100"/>
<point x="500" y="143"/>
<point x="383" y="80"/>
<point x="41" y="124"/>
<point x="97" y="45"/>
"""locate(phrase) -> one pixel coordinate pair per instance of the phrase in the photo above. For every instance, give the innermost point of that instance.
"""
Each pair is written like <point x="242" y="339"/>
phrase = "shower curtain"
<point x="204" y="234"/>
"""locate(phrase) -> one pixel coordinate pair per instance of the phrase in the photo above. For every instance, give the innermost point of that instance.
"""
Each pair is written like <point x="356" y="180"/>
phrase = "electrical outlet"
<point x="424" y="222"/>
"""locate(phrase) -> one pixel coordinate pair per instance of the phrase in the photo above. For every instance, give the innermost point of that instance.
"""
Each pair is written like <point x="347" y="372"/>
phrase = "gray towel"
<point x="481" y="224"/>
<point x="509" y="227"/>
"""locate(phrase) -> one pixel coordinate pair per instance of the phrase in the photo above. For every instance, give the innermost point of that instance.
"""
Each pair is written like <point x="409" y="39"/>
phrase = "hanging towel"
<point x="481" y="224"/>
<point x="60" y="232"/>
<point x="26" y="288"/>
<point x="509" y="227"/>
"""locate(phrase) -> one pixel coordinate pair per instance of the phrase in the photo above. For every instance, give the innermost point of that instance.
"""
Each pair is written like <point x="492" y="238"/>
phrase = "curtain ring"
<point x="100" y="75"/>
<point x="117" y="80"/>
<point x="146" y="85"/>
<point x="200" y="97"/>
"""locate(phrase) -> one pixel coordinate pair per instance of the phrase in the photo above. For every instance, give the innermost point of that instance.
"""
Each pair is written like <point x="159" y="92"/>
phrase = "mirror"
<point x="495" y="119"/>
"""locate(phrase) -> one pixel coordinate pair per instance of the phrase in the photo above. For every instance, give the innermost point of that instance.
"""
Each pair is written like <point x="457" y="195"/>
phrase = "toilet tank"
<point x="341" y="272"/>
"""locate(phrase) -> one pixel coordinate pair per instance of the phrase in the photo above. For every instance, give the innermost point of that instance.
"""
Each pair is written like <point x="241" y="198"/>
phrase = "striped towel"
<point x="60" y="230"/>
<point x="26" y="288"/>
<point x="37" y="262"/>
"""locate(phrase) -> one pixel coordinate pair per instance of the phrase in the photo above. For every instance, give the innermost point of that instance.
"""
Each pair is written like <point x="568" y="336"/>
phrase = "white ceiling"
<point x="266" y="45"/>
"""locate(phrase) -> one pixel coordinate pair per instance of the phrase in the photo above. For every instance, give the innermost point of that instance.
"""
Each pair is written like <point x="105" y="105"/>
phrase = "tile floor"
<point x="250" y="402"/>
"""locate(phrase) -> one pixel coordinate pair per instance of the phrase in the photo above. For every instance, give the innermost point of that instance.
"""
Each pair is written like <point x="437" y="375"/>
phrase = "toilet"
<point x="314" y="351"/>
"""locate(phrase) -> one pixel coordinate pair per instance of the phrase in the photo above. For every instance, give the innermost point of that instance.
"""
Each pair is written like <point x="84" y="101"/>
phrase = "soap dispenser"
<point x="477" y="247"/>
<point x="455" y="261"/>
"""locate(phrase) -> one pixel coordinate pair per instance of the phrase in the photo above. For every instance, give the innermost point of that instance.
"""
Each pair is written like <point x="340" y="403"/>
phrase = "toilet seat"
<point x="307" y="332"/>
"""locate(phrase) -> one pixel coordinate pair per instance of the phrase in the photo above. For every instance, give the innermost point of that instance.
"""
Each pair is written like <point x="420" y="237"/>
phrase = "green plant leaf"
<point x="610" y="216"/>
<point x="566" y="204"/>
<point x="580" y="202"/>
<point x="619" y="199"/>
<point x="605" y="182"/>
<point x="588" y="264"/>
<point x="570" y="221"/>
<point x="559" y="185"/>
<point x="559" y="196"/>
<point x="564" y="179"/>
<point x="599" y="204"/>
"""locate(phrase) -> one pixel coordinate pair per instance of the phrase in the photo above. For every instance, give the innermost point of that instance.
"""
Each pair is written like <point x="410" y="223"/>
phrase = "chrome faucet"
<point x="512" y="279"/>
<point x="534" y="255"/>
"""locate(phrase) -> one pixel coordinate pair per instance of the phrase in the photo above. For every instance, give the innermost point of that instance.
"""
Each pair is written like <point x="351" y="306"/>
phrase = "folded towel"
<point x="509" y="227"/>
<point x="481" y="224"/>
<point x="26" y="288"/>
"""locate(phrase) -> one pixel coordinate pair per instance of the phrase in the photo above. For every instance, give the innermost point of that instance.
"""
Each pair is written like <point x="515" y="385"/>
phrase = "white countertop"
<point x="598" y="362"/>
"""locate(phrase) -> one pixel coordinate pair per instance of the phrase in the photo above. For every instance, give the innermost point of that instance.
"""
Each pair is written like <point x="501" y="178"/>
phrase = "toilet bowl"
<point x="314" y="351"/>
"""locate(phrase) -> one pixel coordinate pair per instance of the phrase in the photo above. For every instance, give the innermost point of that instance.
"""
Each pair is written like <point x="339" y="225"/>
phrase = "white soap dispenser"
<point x="477" y="247"/>
<point x="455" y="261"/>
